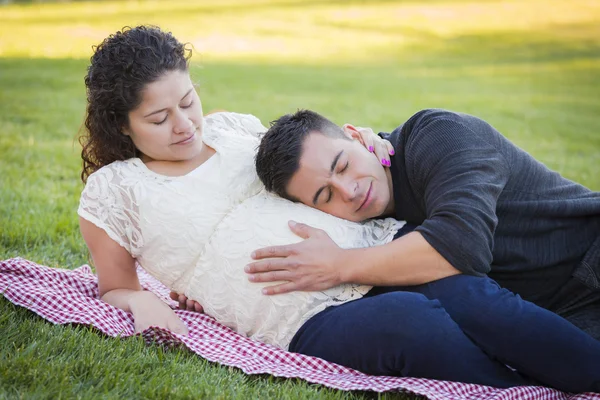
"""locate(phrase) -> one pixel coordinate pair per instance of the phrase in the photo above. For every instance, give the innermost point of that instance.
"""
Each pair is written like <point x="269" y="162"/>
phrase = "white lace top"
<point x="195" y="233"/>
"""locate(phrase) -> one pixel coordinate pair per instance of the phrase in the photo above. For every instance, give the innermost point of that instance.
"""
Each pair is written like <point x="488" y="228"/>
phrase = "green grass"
<point x="530" y="68"/>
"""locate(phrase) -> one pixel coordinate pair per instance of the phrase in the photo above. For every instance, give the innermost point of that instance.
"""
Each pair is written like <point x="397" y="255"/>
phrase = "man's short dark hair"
<point x="278" y="156"/>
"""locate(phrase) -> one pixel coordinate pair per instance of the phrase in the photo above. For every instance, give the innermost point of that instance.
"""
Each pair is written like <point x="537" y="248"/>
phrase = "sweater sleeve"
<point x="455" y="167"/>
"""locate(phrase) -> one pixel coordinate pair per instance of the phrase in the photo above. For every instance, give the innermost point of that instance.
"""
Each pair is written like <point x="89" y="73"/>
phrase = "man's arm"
<point x="457" y="170"/>
<point x="409" y="260"/>
<point x="457" y="173"/>
<point x="318" y="263"/>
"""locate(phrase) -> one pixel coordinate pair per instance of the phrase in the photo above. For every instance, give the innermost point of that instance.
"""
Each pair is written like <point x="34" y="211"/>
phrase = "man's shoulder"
<point x="424" y="118"/>
<point x="416" y="123"/>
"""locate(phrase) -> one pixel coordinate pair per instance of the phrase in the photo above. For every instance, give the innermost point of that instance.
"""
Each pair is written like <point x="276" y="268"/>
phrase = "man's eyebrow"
<point x="163" y="109"/>
<point x="331" y="169"/>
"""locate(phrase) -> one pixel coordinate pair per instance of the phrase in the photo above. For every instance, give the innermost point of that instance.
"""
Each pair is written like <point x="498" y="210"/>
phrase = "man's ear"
<point x="351" y="131"/>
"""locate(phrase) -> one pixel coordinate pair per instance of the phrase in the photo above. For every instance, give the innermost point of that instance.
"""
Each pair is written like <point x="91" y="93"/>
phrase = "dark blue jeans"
<point x="461" y="328"/>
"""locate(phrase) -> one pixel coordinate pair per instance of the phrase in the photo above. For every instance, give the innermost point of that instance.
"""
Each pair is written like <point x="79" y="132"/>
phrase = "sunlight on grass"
<point x="291" y="30"/>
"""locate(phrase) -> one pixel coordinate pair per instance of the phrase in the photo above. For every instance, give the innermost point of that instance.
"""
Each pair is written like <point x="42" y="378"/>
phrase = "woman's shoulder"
<point x="118" y="179"/>
<point x="118" y="170"/>
<point x="230" y="116"/>
<point x="109" y="201"/>
<point x="235" y="123"/>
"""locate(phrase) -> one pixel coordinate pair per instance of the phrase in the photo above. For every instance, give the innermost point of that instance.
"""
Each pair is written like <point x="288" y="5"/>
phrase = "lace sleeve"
<point x="109" y="202"/>
<point x="223" y="124"/>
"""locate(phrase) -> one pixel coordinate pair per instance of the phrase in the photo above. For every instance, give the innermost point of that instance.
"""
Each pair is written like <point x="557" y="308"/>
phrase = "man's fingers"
<point x="198" y="307"/>
<point x="273" y="251"/>
<point x="277" y="264"/>
<point x="272" y="276"/>
<point x="280" y="289"/>
<point x="189" y="305"/>
<point x="181" y="299"/>
<point x="302" y="230"/>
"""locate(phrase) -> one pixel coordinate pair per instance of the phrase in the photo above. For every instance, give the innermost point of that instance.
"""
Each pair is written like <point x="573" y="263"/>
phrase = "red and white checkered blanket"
<point x="71" y="296"/>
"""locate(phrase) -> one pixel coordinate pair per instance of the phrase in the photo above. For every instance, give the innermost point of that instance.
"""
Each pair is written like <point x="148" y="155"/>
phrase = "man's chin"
<point x="358" y="217"/>
<point x="352" y="217"/>
<point x="363" y="217"/>
<point x="372" y="214"/>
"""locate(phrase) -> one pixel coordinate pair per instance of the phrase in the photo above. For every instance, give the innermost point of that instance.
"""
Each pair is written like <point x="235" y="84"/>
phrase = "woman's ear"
<point x="351" y="131"/>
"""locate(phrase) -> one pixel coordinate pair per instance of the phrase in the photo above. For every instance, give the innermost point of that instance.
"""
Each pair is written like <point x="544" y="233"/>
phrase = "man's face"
<point x="342" y="178"/>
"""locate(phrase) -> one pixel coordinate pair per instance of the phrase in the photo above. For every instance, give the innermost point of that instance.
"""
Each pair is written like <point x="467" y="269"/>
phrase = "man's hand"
<point x="311" y="265"/>
<point x="185" y="303"/>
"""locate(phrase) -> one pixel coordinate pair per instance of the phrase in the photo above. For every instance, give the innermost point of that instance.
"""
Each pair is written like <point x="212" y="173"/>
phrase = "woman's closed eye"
<point x="160" y="122"/>
<point x="345" y="167"/>
<point x="189" y="104"/>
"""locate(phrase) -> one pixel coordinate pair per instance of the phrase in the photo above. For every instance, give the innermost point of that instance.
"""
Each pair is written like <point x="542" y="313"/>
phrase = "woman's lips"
<point x="187" y="140"/>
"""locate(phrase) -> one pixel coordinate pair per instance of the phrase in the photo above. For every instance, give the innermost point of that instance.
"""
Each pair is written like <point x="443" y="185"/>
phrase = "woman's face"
<point x="167" y="125"/>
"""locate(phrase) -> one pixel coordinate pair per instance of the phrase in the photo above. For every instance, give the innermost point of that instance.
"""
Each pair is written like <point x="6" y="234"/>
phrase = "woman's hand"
<point x="185" y="303"/>
<point x="148" y="310"/>
<point x="382" y="148"/>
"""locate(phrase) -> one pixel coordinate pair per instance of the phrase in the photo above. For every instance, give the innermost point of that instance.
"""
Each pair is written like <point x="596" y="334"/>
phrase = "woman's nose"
<point x="182" y="123"/>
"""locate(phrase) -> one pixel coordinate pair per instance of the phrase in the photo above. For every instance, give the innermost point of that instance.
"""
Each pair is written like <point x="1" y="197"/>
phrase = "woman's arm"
<point x="119" y="286"/>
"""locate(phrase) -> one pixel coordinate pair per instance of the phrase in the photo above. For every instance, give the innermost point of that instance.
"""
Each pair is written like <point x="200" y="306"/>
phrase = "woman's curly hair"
<point x="122" y="65"/>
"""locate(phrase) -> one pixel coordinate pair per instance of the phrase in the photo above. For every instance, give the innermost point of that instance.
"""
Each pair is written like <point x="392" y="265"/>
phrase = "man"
<point x="480" y="205"/>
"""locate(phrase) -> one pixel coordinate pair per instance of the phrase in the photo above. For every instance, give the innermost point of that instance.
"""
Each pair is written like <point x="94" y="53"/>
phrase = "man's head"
<point x="306" y="158"/>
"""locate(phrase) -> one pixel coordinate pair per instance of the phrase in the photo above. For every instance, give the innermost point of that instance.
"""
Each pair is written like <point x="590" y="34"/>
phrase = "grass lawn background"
<point x="531" y="68"/>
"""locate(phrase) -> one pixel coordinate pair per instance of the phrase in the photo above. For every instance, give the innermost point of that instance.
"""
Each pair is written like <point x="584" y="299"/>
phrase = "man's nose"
<point x="347" y="189"/>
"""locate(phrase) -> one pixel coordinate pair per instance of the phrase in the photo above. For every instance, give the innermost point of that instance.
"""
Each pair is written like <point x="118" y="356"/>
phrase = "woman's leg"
<point x="400" y="334"/>
<point x="535" y="341"/>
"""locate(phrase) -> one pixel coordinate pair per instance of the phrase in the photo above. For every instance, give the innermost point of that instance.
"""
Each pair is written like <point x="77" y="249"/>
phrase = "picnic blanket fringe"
<point x="64" y="296"/>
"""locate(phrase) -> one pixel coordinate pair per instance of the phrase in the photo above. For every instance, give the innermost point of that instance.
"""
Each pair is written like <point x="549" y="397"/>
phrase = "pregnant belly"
<point x="220" y="284"/>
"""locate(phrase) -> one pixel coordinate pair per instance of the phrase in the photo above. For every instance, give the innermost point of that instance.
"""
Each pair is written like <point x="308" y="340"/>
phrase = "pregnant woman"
<point x="178" y="193"/>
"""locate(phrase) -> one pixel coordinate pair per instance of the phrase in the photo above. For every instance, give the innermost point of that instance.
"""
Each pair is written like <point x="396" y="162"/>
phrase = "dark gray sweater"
<point x="490" y="208"/>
